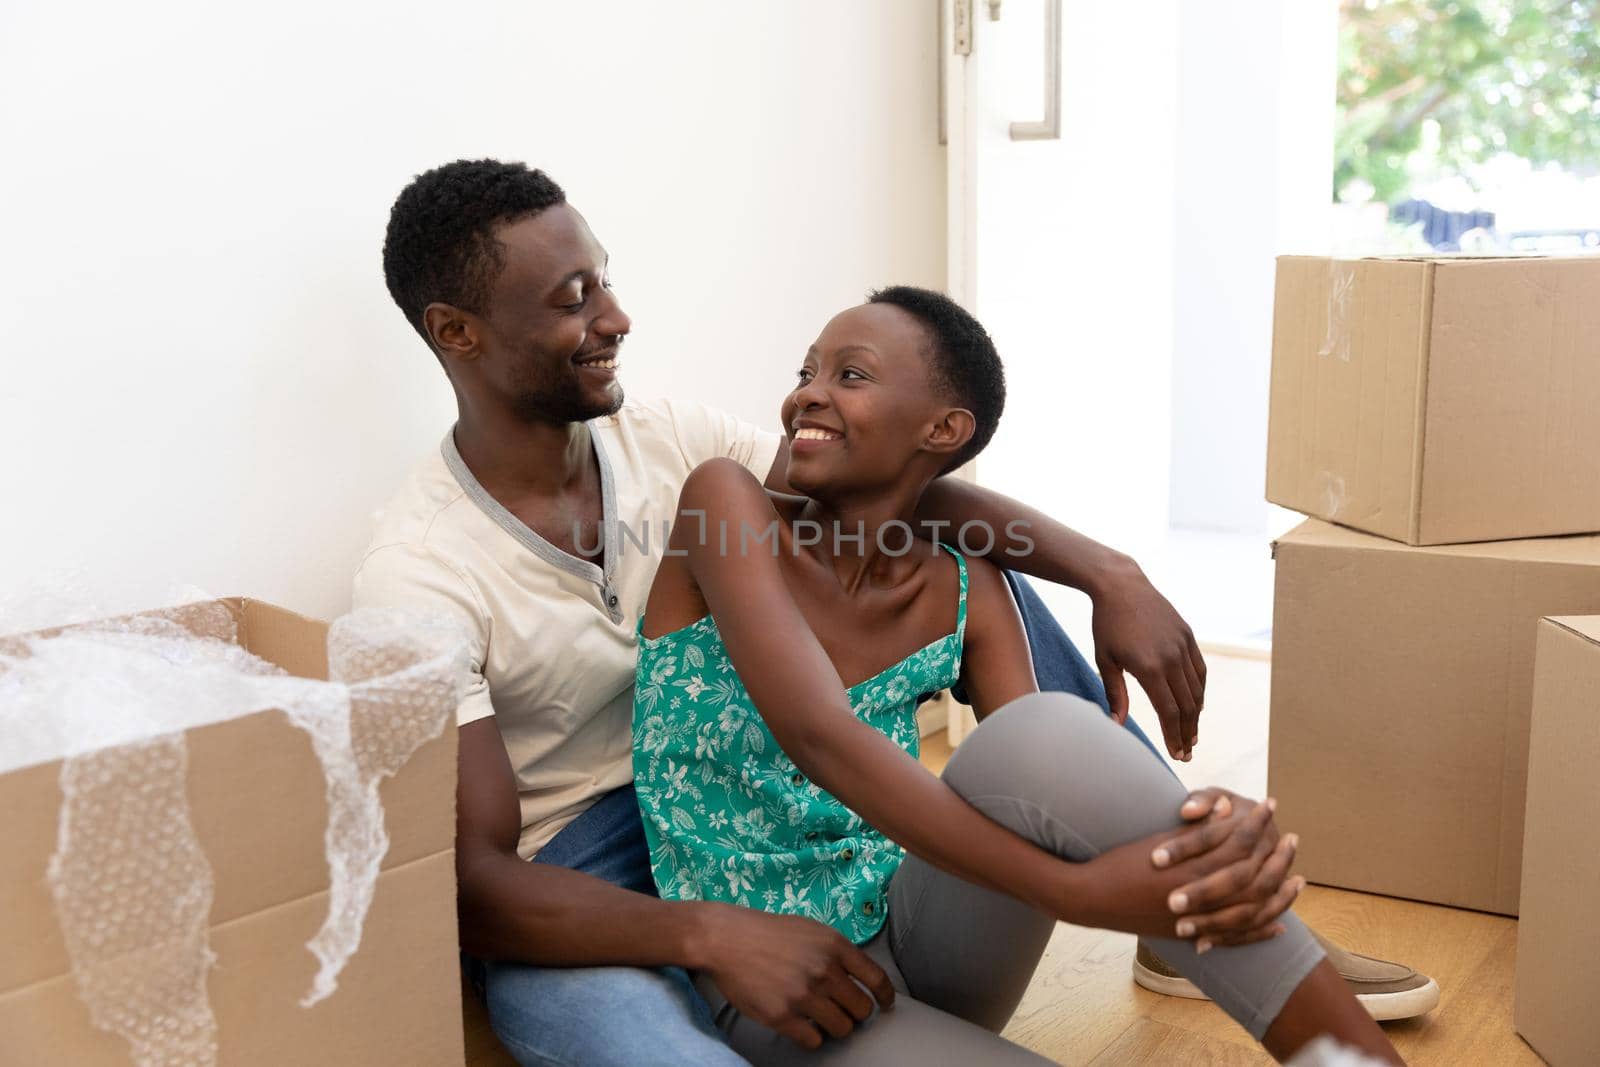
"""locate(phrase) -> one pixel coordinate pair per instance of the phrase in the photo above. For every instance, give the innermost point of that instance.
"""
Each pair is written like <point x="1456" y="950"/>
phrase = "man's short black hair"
<point x="963" y="365"/>
<point x="440" y="245"/>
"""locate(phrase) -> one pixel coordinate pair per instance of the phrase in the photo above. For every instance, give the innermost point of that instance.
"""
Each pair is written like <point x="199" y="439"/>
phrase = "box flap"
<point x="197" y="616"/>
<point x="1584" y="626"/>
<point x="294" y="642"/>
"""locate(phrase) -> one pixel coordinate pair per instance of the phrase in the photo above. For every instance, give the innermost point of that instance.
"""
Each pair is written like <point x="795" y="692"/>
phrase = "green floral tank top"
<point x="729" y="817"/>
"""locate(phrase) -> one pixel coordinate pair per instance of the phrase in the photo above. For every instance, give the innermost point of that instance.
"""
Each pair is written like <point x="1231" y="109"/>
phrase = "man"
<point x="516" y="527"/>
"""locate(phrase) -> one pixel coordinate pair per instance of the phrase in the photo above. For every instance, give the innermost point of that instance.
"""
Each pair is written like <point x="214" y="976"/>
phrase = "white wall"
<point x="1254" y="179"/>
<point x="206" y="382"/>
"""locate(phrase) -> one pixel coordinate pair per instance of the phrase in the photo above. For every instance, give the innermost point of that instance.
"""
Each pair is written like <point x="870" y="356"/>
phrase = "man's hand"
<point x="1240" y="903"/>
<point x="1136" y="630"/>
<point x="793" y="975"/>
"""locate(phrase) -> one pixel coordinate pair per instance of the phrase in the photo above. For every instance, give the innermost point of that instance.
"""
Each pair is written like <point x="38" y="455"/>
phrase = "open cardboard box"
<point x="257" y="801"/>
<point x="1438" y="400"/>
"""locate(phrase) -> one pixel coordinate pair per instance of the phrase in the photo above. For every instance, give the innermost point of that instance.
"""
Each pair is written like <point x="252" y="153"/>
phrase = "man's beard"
<point x="561" y="401"/>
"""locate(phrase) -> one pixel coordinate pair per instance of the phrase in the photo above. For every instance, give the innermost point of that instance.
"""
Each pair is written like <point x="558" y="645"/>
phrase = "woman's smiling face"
<point x="863" y="409"/>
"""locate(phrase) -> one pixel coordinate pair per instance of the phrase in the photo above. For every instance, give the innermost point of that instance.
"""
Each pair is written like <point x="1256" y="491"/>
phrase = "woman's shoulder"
<point x="725" y="487"/>
<point x="720" y="475"/>
<point x="985" y="580"/>
<point x="722" y="478"/>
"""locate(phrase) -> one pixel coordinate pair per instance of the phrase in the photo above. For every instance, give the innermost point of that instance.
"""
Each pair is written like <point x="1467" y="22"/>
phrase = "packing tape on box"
<point x="132" y="886"/>
<point x="1341" y="295"/>
<point x="1330" y="491"/>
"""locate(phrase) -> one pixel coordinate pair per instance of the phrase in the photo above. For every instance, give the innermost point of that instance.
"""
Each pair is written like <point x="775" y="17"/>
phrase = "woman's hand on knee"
<point x="1241" y="899"/>
<point x="1247" y="914"/>
<point x="1123" y="890"/>
<point x="1221" y="818"/>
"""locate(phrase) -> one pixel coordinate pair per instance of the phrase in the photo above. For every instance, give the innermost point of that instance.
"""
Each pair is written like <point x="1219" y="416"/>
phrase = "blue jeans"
<point x="612" y="1016"/>
<point x="636" y="1015"/>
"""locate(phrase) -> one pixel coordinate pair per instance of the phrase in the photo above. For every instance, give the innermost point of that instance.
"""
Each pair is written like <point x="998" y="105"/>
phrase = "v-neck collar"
<point x="525" y="534"/>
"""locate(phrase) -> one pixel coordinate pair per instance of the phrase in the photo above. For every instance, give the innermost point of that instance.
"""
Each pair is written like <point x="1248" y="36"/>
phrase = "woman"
<point x="785" y="644"/>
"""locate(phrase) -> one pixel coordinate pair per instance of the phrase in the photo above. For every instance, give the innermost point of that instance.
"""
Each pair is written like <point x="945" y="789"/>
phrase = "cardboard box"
<point x="1402" y="680"/>
<point x="1557" y="939"/>
<point x="256" y="795"/>
<point x="1440" y="400"/>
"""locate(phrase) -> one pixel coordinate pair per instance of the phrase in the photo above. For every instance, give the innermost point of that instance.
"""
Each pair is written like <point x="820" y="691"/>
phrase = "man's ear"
<point x="951" y="432"/>
<point x="455" y="333"/>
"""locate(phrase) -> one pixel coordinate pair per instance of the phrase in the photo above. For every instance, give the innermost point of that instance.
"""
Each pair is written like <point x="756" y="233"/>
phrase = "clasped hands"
<point x="1224" y="880"/>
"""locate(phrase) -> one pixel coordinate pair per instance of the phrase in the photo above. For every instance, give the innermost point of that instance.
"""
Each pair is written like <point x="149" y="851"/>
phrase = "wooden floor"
<point x="1083" y="1007"/>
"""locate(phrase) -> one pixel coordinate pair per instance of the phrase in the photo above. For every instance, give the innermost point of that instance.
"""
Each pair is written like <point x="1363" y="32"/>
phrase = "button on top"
<point x="867" y="908"/>
<point x="612" y="600"/>
<point x="848" y="854"/>
<point x="797" y="778"/>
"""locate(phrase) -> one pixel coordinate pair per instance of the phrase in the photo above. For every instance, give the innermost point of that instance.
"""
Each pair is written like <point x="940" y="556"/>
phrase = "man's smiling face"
<point x="553" y="328"/>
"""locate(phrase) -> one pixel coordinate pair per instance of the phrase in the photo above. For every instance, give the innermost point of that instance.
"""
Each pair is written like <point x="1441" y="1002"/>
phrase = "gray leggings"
<point x="1054" y="769"/>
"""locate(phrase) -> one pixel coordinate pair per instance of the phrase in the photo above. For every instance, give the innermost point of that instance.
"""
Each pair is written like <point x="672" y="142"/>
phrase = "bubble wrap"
<point x="131" y="885"/>
<point x="133" y="895"/>
<point x="402" y="684"/>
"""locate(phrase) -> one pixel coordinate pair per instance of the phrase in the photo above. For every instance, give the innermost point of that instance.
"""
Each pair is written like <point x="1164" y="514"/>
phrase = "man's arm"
<point x="540" y="913"/>
<point x="789" y="973"/>
<point x="1136" y="630"/>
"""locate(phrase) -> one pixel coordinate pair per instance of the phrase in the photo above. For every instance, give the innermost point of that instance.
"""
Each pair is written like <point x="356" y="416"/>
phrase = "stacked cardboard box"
<point x="1437" y="401"/>
<point x="1402" y="682"/>
<point x="1422" y="404"/>
<point x="1557" y="939"/>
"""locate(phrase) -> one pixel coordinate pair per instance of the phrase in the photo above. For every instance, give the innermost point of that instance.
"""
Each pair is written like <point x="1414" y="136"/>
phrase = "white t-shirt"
<point x="553" y="636"/>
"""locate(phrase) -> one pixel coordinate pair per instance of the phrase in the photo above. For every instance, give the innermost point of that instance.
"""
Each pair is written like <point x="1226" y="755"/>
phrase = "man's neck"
<point x="513" y="458"/>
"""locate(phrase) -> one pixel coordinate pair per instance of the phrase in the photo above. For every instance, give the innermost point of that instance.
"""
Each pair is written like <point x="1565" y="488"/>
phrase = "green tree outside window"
<point x="1430" y="86"/>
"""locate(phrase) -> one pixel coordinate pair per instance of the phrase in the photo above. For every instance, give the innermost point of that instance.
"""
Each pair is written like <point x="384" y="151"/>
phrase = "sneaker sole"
<point x="1384" y="1007"/>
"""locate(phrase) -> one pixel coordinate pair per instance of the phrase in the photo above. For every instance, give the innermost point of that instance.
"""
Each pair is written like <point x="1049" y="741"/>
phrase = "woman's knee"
<point x="1062" y="755"/>
<point x="1036" y="739"/>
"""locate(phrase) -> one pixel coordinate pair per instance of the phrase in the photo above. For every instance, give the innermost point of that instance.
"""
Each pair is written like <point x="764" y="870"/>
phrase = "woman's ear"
<point x="951" y="432"/>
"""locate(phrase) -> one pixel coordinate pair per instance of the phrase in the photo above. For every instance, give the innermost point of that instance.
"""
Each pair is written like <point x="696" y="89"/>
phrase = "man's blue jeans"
<point x="634" y="1015"/>
<point x="606" y="1016"/>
